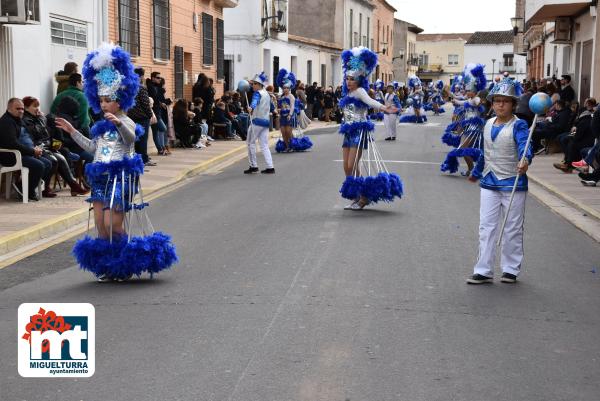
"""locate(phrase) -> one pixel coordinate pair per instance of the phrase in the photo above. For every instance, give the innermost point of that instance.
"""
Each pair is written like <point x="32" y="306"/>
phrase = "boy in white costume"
<point x="390" y="119"/>
<point x="504" y="143"/>
<point x="259" y="110"/>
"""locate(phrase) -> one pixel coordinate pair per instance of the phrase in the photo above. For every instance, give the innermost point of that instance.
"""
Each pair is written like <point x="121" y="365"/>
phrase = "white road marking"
<point x="398" y="161"/>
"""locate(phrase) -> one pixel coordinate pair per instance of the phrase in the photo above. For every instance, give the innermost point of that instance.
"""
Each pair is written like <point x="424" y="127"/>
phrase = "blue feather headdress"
<point x="474" y="77"/>
<point x="379" y="85"/>
<point x="107" y="71"/>
<point x="413" y="82"/>
<point x="439" y="84"/>
<point x="285" y="79"/>
<point x="358" y="62"/>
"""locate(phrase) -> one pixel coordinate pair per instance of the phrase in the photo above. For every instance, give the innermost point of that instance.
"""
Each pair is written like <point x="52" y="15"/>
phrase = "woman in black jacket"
<point x="35" y="123"/>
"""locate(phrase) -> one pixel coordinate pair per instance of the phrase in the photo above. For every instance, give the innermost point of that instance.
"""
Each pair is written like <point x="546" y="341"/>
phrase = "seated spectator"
<point x="34" y="122"/>
<point x="523" y="111"/>
<point x="242" y="118"/>
<point x="220" y="117"/>
<point x="10" y="129"/>
<point x="185" y="131"/>
<point x="580" y="136"/>
<point x="556" y="125"/>
<point x="68" y="108"/>
<point x="591" y="155"/>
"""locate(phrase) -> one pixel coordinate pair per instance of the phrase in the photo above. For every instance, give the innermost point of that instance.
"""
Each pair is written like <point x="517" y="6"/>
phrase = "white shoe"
<point x="104" y="278"/>
<point x="351" y="205"/>
<point x="209" y="138"/>
<point x="200" y="145"/>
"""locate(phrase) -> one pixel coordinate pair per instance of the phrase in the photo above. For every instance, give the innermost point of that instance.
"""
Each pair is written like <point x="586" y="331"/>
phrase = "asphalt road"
<point x="281" y="295"/>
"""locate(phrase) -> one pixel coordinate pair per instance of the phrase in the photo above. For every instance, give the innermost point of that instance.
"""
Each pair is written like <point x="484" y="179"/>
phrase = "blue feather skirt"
<point x="382" y="187"/>
<point x="411" y="117"/>
<point x="301" y="144"/>
<point x="121" y="258"/>
<point x="115" y="184"/>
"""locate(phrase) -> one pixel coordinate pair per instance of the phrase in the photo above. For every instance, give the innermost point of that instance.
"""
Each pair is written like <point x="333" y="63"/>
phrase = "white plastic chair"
<point x="24" y="175"/>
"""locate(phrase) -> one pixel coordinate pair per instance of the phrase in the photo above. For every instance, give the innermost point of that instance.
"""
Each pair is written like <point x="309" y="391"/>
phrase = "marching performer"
<point x="437" y="100"/>
<point x="390" y="119"/>
<point x="504" y="143"/>
<point x="415" y="112"/>
<point x="287" y="110"/>
<point x="259" y="110"/>
<point x="291" y="117"/>
<point x="357" y="65"/>
<point x="466" y="132"/>
<point x="117" y="253"/>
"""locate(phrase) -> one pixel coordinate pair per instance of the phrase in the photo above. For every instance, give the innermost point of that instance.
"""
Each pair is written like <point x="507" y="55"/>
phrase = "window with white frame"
<point x="452" y="59"/>
<point x="68" y="33"/>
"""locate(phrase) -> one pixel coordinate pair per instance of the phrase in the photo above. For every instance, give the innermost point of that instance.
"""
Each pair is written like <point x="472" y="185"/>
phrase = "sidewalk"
<point x="565" y="186"/>
<point x="24" y="225"/>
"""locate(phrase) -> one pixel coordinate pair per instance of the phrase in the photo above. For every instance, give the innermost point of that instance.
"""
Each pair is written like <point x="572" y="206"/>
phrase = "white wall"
<point x="358" y="8"/>
<point x="243" y="19"/>
<point x="485" y="53"/>
<point x="34" y="59"/>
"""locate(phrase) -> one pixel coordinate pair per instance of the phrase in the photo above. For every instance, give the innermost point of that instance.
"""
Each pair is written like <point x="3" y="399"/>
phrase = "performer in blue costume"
<point x="287" y="110"/>
<point x="357" y="65"/>
<point x="415" y="113"/>
<point x="465" y="134"/>
<point x="504" y="144"/>
<point x="259" y="110"/>
<point x="378" y="89"/>
<point x="390" y="119"/>
<point x="290" y="109"/>
<point x="437" y="99"/>
<point x="126" y="243"/>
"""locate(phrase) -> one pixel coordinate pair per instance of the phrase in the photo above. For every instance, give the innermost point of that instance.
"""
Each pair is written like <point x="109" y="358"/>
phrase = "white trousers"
<point x="491" y="213"/>
<point x="389" y="122"/>
<point x="262" y="135"/>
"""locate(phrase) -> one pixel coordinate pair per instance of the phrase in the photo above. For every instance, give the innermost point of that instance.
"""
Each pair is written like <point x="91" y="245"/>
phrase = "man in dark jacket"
<point x="566" y="93"/>
<point x="559" y="124"/>
<point x="141" y="114"/>
<point x="10" y="131"/>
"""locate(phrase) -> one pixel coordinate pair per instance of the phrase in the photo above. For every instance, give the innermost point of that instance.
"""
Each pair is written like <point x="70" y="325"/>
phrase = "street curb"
<point x="561" y="195"/>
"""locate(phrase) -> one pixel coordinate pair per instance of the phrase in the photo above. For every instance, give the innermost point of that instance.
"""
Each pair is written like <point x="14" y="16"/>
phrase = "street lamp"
<point x="517" y="24"/>
<point x="493" y="62"/>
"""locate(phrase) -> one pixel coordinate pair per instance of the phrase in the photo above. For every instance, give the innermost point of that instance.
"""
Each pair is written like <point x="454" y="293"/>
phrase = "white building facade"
<point x="32" y="52"/>
<point x="568" y="31"/>
<point x="495" y="50"/>
<point x="256" y="40"/>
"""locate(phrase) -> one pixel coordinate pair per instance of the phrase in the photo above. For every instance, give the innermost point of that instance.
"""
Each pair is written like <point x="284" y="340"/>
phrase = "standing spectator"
<point x="203" y="90"/>
<point x="566" y="93"/>
<point x="141" y="113"/>
<point x="10" y="131"/>
<point x="75" y="91"/>
<point x="318" y="106"/>
<point x="311" y="92"/>
<point x="156" y="93"/>
<point x="328" y="103"/>
<point x="301" y="94"/>
<point x="62" y="77"/>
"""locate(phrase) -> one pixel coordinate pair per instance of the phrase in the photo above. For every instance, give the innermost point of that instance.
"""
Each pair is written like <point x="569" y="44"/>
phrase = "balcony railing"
<point x="507" y="67"/>
<point x="431" y="68"/>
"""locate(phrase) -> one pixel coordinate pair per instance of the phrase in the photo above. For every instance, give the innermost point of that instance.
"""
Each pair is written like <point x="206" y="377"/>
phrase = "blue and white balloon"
<point x="540" y="103"/>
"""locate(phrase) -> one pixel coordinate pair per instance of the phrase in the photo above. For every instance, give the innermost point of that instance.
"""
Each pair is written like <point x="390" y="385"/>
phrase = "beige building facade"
<point x="440" y="56"/>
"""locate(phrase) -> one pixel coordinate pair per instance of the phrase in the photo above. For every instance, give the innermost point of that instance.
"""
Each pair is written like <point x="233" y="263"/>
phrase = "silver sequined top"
<point x="353" y="113"/>
<point x="112" y="145"/>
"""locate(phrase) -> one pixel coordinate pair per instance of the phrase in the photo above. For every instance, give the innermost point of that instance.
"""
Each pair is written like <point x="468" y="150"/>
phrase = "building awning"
<point x="553" y="9"/>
